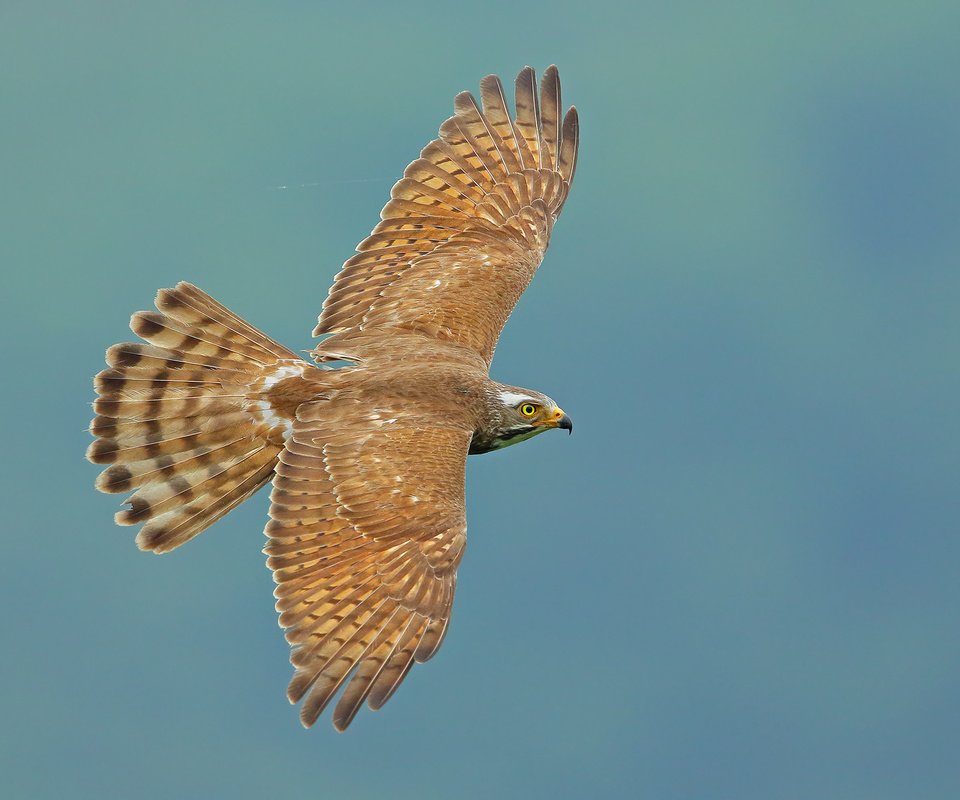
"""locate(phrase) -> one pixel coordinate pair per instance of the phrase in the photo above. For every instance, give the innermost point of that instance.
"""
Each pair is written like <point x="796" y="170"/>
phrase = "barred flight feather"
<point x="484" y="171"/>
<point x="178" y="418"/>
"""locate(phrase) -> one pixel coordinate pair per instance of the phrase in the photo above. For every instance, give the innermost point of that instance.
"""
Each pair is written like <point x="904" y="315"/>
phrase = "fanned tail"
<point x="181" y="421"/>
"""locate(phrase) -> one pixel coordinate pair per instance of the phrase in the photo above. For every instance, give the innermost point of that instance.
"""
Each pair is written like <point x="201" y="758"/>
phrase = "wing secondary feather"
<point x="367" y="529"/>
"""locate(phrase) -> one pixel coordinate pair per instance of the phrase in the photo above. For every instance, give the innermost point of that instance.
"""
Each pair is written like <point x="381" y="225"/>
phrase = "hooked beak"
<point x="560" y="420"/>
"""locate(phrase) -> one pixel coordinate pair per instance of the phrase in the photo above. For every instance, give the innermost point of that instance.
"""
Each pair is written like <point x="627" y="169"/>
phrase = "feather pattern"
<point x="360" y="578"/>
<point x="498" y="116"/>
<point x="180" y="422"/>
<point x="550" y="109"/>
<point x="459" y="215"/>
<point x="528" y="116"/>
<point x="367" y="520"/>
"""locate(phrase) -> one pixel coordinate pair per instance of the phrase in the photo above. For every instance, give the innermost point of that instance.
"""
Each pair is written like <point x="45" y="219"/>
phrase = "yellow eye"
<point x="528" y="409"/>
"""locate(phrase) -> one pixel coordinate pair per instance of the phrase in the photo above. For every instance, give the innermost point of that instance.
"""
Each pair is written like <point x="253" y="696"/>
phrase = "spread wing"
<point x="367" y="528"/>
<point x="468" y="224"/>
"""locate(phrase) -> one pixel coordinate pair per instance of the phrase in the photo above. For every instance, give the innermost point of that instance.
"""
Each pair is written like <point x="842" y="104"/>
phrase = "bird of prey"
<point x="367" y="455"/>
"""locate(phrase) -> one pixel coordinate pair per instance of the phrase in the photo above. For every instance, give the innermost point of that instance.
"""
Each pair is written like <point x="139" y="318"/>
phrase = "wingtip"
<point x="310" y="714"/>
<point x="464" y="102"/>
<point x="528" y="73"/>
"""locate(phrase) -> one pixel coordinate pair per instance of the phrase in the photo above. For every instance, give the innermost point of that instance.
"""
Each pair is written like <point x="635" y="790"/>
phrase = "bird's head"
<point x="518" y="415"/>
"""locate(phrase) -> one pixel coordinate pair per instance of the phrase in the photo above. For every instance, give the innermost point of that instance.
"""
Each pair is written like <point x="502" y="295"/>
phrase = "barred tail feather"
<point x="180" y="420"/>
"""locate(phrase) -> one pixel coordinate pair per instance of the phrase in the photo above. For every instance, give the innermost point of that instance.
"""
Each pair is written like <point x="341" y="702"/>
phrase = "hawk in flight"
<point x="367" y="514"/>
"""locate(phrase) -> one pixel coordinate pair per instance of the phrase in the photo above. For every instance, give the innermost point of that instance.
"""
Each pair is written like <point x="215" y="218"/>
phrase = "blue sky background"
<point x="738" y="579"/>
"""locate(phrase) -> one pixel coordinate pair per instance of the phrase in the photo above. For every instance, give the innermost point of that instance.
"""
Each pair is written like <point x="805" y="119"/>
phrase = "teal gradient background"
<point x="738" y="579"/>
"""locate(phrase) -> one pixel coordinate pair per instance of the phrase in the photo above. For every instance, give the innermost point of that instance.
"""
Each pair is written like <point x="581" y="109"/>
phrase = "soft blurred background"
<point x="738" y="579"/>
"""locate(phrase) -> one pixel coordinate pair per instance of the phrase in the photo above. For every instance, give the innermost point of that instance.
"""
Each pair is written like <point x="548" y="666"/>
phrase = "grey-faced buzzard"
<point x="367" y="520"/>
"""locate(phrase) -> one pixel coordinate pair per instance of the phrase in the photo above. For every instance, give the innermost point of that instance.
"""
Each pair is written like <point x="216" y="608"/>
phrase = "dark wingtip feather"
<point x="570" y="144"/>
<point x="551" y="78"/>
<point x="526" y="81"/>
<point x="298" y="686"/>
<point x="550" y="104"/>
<point x="314" y="706"/>
<point x="491" y="82"/>
<point x="527" y="103"/>
<point x="464" y="101"/>
<point x="342" y="721"/>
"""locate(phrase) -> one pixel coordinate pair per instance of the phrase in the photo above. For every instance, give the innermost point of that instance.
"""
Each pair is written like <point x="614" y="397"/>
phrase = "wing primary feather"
<point x="309" y="669"/>
<point x="371" y="667"/>
<point x="325" y="604"/>
<point x="397" y="668"/>
<point x="498" y="114"/>
<point x="569" y="145"/>
<point x="480" y="135"/>
<point x="550" y="105"/>
<point x="477" y="176"/>
<point x="337" y="668"/>
<point x="437" y="630"/>
<point x="528" y="114"/>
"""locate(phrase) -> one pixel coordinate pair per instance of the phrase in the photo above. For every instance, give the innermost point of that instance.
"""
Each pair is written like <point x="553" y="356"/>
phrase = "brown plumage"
<point x="367" y="517"/>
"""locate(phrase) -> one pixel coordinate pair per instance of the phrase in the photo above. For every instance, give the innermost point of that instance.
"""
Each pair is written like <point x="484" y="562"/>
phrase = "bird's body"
<point x="367" y="519"/>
